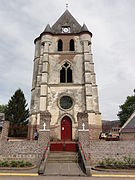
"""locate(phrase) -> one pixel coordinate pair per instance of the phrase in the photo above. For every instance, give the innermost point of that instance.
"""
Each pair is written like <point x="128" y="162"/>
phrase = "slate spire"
<point x="48" y="29"/>
<point x="84" y="28"/>
<point x="66" y="20"/>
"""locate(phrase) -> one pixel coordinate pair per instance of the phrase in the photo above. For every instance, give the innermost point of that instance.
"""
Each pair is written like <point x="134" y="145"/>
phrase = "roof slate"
<point x="129" y="126"/>
<point x="84" y="28"/>
<point x="66" y="20"/>
<point x="48" y="29"/>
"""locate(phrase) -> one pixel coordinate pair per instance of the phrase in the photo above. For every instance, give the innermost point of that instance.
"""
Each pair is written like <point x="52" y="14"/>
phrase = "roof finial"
<point x="66" y="5"/>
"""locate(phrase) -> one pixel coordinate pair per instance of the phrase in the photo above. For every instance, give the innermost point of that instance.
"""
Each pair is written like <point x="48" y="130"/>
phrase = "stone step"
<point x="63" y="164"/>
<point x="62" y="160"/>
<point x="62" y="153"/>
<point x="63" y="169"/>
<point x="62" y="157"/>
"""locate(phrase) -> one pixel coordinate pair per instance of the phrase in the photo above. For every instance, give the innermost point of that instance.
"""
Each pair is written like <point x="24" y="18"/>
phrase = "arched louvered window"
<point x="71" y="45"/>
<point x="66" y="73"/>
<point x="60" y="45"/>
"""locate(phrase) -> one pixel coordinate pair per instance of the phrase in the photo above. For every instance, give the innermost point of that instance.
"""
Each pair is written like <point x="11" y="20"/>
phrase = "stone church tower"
<point x="64" y="81"/>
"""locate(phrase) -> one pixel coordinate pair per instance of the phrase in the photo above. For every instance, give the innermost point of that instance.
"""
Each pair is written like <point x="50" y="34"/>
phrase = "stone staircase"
<point x="63" y="164"/>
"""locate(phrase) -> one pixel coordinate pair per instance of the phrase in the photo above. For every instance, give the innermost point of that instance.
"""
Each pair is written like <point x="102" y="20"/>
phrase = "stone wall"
<point x="20" y="150"/>
<point x="110" y="149"/>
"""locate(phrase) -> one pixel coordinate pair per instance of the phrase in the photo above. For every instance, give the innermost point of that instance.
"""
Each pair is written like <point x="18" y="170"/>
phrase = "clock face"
<point x="66" y="29"/>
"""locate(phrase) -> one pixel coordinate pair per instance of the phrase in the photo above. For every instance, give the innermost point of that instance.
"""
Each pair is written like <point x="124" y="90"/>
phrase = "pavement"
<point x="19" y="175"/>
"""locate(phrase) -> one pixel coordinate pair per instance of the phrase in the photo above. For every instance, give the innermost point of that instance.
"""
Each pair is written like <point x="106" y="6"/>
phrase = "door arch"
<point x="66" y="129"/>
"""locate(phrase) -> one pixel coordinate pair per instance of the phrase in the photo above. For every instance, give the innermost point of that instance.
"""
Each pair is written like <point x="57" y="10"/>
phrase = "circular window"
<point x="66" y="102"/>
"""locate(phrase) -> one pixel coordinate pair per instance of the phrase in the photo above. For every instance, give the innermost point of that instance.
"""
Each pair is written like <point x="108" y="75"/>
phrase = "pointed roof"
<point x="66" y="20"/>
<point x="48" y="29"/>
<point x="129" y="125"/>
<point x="84" y="28"/>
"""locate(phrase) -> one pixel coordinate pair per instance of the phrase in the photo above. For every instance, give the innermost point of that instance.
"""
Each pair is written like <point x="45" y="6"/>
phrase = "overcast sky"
<point x="112" y="23"/>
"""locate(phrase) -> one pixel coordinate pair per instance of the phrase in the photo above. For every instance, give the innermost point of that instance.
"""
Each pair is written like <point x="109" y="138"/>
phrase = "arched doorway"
<point x="66" y="129"/>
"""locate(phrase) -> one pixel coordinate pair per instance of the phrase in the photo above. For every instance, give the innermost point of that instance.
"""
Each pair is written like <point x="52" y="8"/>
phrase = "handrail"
<point x="85" y="160"/>
<point x="44" y="154"/>
<point x="43" y="158"/>
<point x="83" y="152"/>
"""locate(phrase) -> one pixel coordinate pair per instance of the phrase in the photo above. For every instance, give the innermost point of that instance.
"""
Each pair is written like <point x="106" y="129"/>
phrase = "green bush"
<point x="13" y="164"/>
<point x="4" y="164"/>
<point x="28" y="164"/>
<point x="126" y="162"/>
<point x="21" y="164"/>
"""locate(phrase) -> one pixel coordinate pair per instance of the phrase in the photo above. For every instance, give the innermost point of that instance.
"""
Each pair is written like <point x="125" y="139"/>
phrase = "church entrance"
<point x="66" y="129"/>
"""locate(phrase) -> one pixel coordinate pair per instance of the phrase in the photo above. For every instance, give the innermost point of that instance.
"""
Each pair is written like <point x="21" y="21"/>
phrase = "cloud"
<point x="113" y="44"/>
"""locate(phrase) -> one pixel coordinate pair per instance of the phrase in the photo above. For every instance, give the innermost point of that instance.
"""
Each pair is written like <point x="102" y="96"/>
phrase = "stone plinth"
<point x="4" y="134"/>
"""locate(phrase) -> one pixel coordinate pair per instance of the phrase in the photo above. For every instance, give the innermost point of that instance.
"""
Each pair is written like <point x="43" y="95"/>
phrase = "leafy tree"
<point x="3" y="108"/>
<point x="126" y="109"/>
<point x="17" y="111"/>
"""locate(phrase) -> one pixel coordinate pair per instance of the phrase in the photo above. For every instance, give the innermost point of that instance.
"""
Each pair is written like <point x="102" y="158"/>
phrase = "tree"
<point x="17" y="111"/>
<point x="3" y="108"/>
<point x="126" y="109"/>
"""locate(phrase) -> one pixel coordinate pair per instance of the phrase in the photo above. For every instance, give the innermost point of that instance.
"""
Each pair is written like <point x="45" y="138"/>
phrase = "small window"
<point x="72" y="46"/>
<point x="60" y="45"/>
<point x="66" y="73"/>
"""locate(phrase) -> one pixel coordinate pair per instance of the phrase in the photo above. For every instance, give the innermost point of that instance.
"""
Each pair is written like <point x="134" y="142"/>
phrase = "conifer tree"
<point x="17" y="111"/>
<point x="3" y="108"/>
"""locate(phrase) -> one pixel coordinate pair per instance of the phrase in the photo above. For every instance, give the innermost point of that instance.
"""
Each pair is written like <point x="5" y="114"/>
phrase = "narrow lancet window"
<point x="60" y="45"/>
<point x="71" y="45"/>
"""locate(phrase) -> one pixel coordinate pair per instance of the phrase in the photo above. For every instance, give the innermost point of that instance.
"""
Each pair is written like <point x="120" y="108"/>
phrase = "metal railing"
<point x="84" y="160"/>
<point x="43" y="160"/>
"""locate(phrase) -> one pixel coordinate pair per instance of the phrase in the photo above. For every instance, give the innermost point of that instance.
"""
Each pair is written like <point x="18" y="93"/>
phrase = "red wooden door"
<point x="66" y="129"/>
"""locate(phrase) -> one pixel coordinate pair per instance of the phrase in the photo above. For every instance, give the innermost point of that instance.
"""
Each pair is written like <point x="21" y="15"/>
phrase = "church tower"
<point x="64" y="81"/>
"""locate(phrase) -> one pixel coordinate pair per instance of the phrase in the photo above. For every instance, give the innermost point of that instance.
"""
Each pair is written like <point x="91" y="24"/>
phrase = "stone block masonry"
<point x="110" y="149"/>
<point x="20" y="150"/>
<point x="27" y="150"/>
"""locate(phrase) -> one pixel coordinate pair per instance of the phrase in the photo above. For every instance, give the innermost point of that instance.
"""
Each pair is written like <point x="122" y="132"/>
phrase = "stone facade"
<point x="47" y="89"/>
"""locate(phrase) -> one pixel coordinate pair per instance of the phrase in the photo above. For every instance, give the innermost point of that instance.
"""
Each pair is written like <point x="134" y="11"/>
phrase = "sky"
<point x="112" y="23"/>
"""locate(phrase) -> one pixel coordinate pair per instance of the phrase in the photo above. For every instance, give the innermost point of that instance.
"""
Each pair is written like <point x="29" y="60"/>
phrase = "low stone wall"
<point x="27" y="150"/>
<point x="110" y="149"/>
<point x="20" y="150"/>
